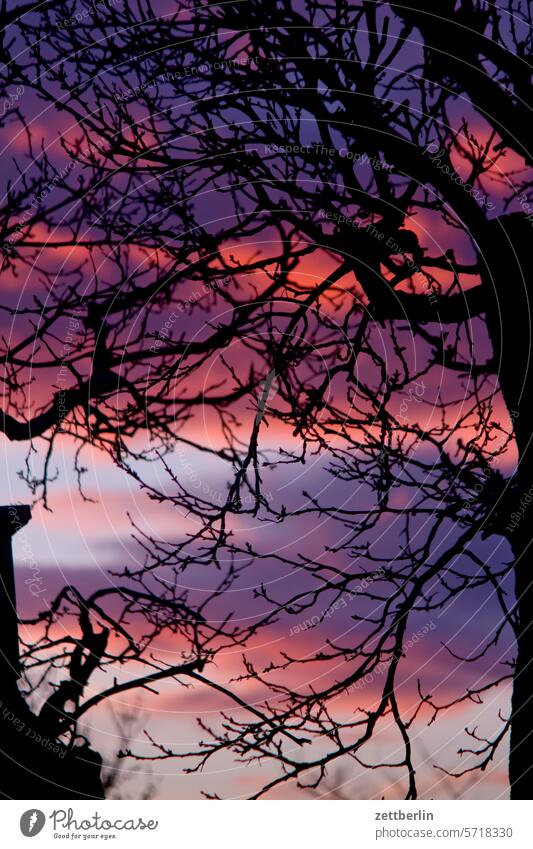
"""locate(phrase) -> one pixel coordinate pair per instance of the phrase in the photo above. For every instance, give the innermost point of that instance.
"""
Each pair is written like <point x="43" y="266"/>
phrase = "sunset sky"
<point x="86" y="538"/>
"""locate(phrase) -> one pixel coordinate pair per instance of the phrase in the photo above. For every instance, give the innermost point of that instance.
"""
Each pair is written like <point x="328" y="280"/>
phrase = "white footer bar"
<point x="267" y="825"/>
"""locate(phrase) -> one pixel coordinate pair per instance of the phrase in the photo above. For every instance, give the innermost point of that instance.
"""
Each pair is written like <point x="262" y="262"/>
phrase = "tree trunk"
<point x="521" y="752"/>
<point x="508" y="268"/>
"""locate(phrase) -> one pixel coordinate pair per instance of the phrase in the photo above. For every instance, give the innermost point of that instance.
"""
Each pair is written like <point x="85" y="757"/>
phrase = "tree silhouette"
<point x="84" y="359"/>
<point x="308" y="220"/>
